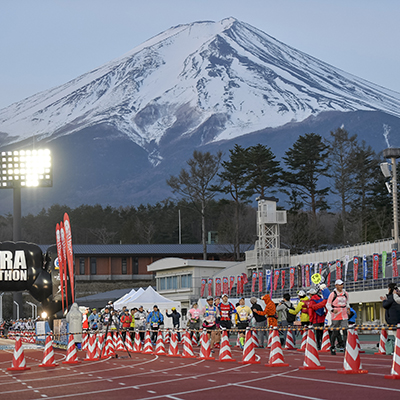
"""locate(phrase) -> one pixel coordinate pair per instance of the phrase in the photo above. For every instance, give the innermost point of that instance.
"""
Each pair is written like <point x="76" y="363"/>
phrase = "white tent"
<point x="121" y="302"/>
<point x="149" y="298"/>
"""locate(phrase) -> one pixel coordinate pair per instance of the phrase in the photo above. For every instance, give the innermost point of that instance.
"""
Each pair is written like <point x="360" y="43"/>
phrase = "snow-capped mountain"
<point x="192" y="72"/>
<point x="201" y="84"/>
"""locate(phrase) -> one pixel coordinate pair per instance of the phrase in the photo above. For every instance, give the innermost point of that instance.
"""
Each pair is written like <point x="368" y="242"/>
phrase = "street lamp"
<point x="393" y="154"/>
<point x="24" y="169"/>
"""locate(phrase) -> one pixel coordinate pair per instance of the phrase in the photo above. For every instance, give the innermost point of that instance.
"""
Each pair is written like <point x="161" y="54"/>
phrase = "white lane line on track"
<point x="146" y="384"/>
<point x="277" y="392"/>
<point x="345" y="383"/>
<point x="173" y="397"/>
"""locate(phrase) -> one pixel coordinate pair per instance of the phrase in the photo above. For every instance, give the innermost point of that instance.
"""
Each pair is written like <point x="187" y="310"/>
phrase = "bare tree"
<point x="196" y="184"/>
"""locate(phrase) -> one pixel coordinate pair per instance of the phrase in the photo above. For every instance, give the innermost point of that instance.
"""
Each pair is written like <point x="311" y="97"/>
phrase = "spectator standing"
<point x="176" y="318"/>
<point x="337" y="304"/>
<point x="317" y="314"/>
<point x="194" y="320"/>
<point x="94" y="320"/>
<point x="155" y="318"/>
<point x="392" y="313"/>
<point x="283" y="307"/>
<point x="260" y="321"/>
<point x="126" y="320"/>
<point x="140" y="321"/>
<point x="269" y="311"/>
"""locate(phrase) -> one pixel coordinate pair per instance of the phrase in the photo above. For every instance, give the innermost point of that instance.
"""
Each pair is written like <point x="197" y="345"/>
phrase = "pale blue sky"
<point x="45" y="43"/>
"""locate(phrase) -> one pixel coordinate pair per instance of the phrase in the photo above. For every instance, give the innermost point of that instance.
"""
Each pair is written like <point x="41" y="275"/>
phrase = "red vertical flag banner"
<point x="307" y="278"/>
<point x="231" y="283"/>
<point x="338" y="269"/>
<point x="218" y="287"/>
<point x="70" y="255"/>
<point x="239" y="285"/>
<point x="260" y="281"/>
<point x="375" y="266"/>
<point x="225" y="284"/>
<point x="64" y="260"/>
<point x="210" y="286"/>
<point x="60" y="263"/>
<point x="253" y="282"/>
<point x="283" y="279"/>
<point x="244" y="278"/>
<point x="355" y="268"/>
<point x="395" y="271"/>
<point x="276" y="279"/>
<point x="291" y="278"/>
<point x="328" y="279"/>
<point x="320" y="268"/>
<point x="203" y="287"/>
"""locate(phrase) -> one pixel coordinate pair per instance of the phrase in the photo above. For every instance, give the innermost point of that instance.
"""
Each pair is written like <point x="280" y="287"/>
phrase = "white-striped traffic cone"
<point x="303" y="341"/>
<point x="187" y="346"/>
<point x="91" y="349"/>
<point x="326" y="343"/>
<point x="276" y="354"/>
<point x="382" y="342"/>
<point x="194" y="339"/>
<point x="395" y="372"/>
<point x="72" y="357"/>
<point x="19" y="362"/>
<point x="120" y="344"/>
<point x="225" y="353"/>
<point x="173" y="345"/>
<point x="249" y="353"/>
<point x="85" y="340"/>
<point x="137" y="345"/>
<point x="352" y="362"/>
<point x="160" y="347"/>
<point x="48" y="354"/>
<point x="100" y="344"/>
<point x="311" y="357"/>
<point x="255" y="338"/>
<point x="108" y="348"/>
<point x="270" y="334"/>
<point x="128" y="342"/>
<point x="289" y="344"/>
<point x="147" y="347"/>
<point x="205" y="350"/>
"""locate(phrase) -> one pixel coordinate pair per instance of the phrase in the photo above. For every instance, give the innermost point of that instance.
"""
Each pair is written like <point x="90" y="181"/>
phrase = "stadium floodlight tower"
<point x="393" y="154"/>
<point x="23" y="169"/>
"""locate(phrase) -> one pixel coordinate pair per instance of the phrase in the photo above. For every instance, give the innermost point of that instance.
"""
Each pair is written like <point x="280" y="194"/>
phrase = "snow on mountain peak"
<point x="178" y="80"/>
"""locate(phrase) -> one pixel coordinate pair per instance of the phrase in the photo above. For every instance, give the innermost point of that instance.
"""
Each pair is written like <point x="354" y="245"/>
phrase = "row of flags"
<point x="271" y="277"/>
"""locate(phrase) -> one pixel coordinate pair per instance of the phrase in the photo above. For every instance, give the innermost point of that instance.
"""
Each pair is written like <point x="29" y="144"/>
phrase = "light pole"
<point x="34" y="309"/>
<point x="24" y="169"/>
<point x="393" y="154"/>
<point x="1" y="306"/>
<point x="17" y="305"/>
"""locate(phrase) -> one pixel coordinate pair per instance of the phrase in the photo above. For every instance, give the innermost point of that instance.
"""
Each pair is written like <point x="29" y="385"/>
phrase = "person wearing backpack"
<point x="337" y="304"/>
<point x="287" y="318"/>
<point x="260" y="321"/>
<point x="317" y="314"/>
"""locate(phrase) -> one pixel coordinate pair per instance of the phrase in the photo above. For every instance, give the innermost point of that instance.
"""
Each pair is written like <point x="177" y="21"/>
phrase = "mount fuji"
<point x="117" y="132"/>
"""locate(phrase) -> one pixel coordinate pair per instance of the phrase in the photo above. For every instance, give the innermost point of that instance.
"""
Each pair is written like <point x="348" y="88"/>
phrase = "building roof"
<point x="173" y="262"/>
<point x="152" y="249"/>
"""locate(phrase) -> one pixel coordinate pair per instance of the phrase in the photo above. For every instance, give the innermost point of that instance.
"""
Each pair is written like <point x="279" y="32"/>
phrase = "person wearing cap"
<point x="337" y="304"/>
<point x="155" y="318"/>
<point x="175" y="320"/>
<point x="283" y="307"/>
<point x="94" y="320"/>
<point x="194" y="320"/>
<point x="242" y="316"/>
<point x="317" y="313"/>
<point x="210" y="314"/>
<point x="269" y="310"/>
<point x="226" y="311"/>
<point x="126" y="320"/>
<point x="140" y="321"/>
<point x="302" y="307"/>
<point x="392" y="308"/>
<point x="260" y="321"/>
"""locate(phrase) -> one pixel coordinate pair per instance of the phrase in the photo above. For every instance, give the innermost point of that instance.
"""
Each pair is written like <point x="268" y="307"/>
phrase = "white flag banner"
<point x="346" y="265"/>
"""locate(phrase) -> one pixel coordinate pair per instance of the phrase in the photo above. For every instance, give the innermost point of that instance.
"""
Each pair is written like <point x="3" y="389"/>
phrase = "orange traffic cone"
<point x="173" y="345"/>
<point x="187" y="346"/>
<point x="160" y="348"/>
<point x="303" y="341"/>
<point x="249" y="353"/>
<point x="147" y="348"/>
<point x="120" y="345"/>
<point x="72" y="357"/>
<point x="91" y="349"/>
<point x="18" y="363"/>
<point x="311" y="357"/>
<point x="205" y="350"/>
<point x="137" y="345"/>
<point x="326" y="343"/>
<point x="276" y="354"/>
<point x="85" y="341"/>
<point x="100" y="343"/>
<point x="48" y="354"/>
<point x="395" y="372"/>
<point x="382" y="342"/>
<point x="225" y="353"/>
<point x="289" y="345"/>
<point x="108" y="349"/>
<point x="352" y="362"/>
<point x="269" y="343"/>
<point x="128" y="342"/>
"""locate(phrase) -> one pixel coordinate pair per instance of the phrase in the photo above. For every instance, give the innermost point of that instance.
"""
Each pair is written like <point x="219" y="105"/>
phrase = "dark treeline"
<point x="334" y="193"/>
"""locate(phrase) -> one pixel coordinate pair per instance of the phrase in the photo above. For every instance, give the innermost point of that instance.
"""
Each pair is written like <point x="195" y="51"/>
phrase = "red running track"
<point x="161" y="377"/>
